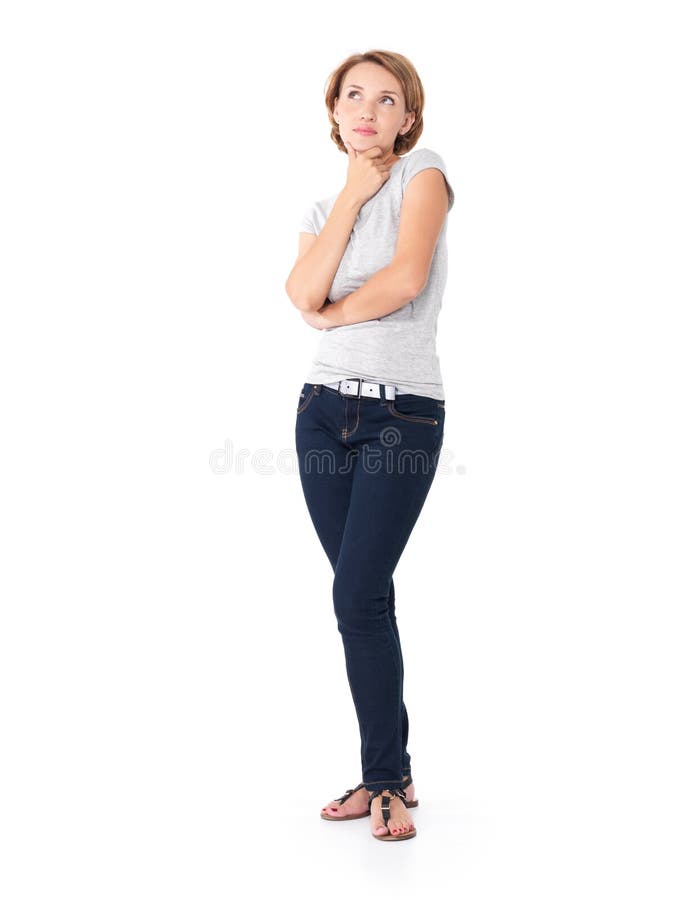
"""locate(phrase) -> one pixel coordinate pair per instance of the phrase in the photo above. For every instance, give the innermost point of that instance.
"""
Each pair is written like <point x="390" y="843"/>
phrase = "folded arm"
<point x="319" y="255"/>
<point x="424" y="207"/>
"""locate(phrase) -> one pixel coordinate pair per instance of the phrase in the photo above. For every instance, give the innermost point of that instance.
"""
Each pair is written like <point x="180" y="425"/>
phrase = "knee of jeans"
<point x="357" y="606"/>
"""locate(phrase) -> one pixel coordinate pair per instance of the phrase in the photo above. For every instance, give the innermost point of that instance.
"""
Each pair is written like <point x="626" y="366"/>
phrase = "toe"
<point x="331" y="811"/>
<point x="378" y="825"/>
<point x="400" y="826"/>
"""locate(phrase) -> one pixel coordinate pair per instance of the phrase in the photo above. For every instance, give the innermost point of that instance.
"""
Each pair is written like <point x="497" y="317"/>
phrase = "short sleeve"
<point x="308" y="222"/>
<point x="422" y="159"/>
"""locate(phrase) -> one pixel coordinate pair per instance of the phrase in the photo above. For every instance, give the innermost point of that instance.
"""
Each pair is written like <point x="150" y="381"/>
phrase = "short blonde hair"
<point x="413" y="93"/>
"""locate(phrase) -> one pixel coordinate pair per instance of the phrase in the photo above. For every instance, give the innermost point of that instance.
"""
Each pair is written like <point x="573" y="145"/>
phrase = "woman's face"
<point x="371" y="99"/>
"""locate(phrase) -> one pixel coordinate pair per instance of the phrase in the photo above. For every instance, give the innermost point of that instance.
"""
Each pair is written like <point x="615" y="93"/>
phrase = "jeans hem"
<point x="376" y="785"/>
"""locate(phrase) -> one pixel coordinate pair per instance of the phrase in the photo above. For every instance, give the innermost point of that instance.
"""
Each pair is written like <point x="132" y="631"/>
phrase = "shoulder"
<point x="424" y="158"/>
<point x="314" y="217"/>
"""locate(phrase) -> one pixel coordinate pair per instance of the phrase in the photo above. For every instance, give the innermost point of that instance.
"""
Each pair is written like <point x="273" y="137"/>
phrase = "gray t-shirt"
<point x="399" y="348"/>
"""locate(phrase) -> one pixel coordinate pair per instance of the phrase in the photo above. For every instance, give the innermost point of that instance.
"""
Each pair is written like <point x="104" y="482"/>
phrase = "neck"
<point x="390" y="159"/>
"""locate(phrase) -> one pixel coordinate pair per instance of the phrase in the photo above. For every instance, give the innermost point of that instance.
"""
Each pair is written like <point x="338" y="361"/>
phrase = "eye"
<point x="349" y="95"/>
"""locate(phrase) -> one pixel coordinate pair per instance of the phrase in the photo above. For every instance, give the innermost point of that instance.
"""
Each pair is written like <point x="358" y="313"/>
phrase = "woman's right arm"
<point x="319" y="255"/>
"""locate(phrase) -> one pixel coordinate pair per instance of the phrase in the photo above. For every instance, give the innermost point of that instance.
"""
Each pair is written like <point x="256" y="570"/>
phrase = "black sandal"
<point x="406" y="783"/>
<point x="386" y="813"/>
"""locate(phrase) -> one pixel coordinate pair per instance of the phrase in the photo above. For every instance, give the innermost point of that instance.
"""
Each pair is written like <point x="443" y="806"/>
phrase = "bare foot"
<point x="357" y="803"/>
<point x="399" y="817"/>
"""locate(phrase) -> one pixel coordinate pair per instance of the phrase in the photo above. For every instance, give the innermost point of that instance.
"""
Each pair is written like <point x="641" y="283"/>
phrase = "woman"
<point x="370" y="274"/>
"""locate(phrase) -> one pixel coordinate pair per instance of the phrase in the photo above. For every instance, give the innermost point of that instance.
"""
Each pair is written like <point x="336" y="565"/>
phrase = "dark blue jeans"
<point x="366" y="465"/>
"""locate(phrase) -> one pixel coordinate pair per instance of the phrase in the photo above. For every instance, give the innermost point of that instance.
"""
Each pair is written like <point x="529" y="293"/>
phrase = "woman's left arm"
<point x="423" y="211"/>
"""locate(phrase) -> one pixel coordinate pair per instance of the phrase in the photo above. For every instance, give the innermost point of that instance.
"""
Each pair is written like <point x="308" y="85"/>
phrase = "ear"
<point x="408" y="123"/>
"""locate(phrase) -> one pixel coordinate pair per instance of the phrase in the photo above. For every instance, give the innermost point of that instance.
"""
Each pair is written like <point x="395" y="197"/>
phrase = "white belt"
<point x="350" y="387"/>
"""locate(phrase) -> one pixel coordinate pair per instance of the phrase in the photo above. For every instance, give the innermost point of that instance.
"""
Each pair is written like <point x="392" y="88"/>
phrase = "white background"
<point x="174" y="701"/>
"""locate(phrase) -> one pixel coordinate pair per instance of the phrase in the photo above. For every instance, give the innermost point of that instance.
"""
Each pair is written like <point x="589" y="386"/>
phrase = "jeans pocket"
<point x="415" y="408"/>
<point x="305" y="398"/>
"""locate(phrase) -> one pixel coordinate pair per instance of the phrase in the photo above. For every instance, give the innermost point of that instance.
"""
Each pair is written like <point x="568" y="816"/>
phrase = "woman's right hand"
<point x="366" y="174"/>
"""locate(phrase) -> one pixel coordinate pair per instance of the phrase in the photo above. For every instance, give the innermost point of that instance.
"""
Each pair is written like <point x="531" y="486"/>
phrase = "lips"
<point x="364" y="131"/>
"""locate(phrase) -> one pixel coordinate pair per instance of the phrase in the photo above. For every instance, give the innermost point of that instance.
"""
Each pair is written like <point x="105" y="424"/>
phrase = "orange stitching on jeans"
<point x="395" y="412"/>
<point x="345" y="431"/>
<point x="303" y="406"/>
